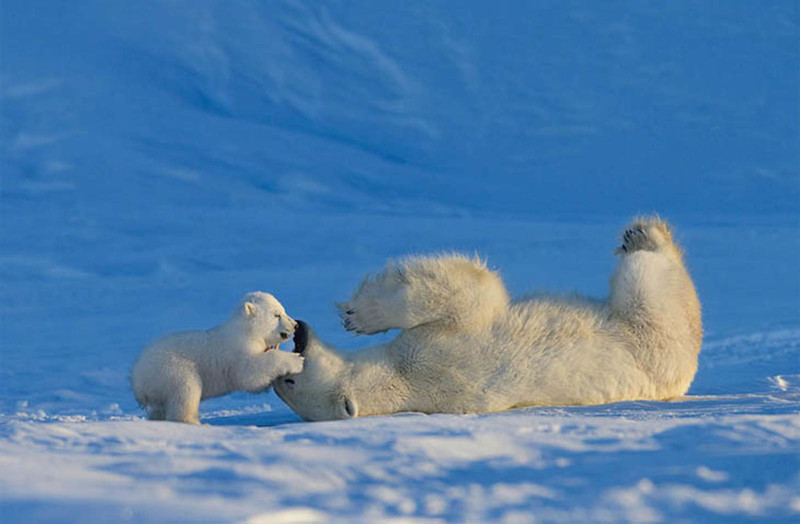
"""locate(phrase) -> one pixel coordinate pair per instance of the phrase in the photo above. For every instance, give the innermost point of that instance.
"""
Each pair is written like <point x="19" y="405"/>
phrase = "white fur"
<point x="175" y="373"/>
<point x="466" y="348"/>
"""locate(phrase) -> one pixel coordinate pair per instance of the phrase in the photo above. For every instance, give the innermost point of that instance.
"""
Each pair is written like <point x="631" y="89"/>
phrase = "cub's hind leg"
<point x="156" y="412"/>
<point x="449" y="290"/>
<point x="183" y="405"/>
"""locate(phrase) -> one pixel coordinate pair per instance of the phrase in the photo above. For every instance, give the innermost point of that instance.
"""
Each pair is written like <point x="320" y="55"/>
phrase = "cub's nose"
<point x="284" y="335"/>
<point x="300" y="337"/>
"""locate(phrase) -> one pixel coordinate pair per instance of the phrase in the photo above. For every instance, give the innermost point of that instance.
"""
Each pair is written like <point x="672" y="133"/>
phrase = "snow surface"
<point x="161" y="159"/>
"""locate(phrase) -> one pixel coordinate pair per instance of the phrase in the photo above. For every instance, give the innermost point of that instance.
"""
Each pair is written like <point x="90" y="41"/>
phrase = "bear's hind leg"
<point x="449" y="290"/>
<point x="654" y="300"/>
<point x="649" y="274"/>
<point x="647" y="234"/>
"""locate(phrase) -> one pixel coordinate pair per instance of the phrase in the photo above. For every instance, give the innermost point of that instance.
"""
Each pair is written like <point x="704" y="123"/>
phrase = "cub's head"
<point x="316" y="393"/>
<point x="265" y="320"/>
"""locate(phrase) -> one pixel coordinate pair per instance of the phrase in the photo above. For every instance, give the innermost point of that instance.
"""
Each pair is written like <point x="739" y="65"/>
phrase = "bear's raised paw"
<point x="367" y="318"/>
<point x="645" y="235"/>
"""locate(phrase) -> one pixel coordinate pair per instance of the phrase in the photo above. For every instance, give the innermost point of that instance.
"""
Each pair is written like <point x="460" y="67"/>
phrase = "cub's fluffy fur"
<point x="175" y="373"/>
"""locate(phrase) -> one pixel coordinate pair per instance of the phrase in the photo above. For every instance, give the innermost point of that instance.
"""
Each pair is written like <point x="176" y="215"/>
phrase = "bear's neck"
<point x="374" y="382"/>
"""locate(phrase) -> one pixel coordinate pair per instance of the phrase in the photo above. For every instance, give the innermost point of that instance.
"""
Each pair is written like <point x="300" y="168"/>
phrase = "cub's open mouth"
<point x="274" y="346"/>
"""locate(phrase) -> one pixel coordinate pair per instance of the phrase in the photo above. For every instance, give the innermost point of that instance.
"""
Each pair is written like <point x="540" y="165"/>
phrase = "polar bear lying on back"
<point x="466" y="348"/>
<point x="175" y="373"/>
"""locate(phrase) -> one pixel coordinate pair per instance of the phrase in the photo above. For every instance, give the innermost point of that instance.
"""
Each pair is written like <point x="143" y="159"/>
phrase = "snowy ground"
<point x="159" y="161"/>
<point x="73" y="439"/>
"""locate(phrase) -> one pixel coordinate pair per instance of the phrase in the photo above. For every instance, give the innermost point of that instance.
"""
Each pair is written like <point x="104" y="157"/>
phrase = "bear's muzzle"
<point x="301" y="333"/>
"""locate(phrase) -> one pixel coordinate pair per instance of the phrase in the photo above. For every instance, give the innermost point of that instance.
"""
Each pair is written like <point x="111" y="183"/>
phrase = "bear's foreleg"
<point x="448" y="290"/>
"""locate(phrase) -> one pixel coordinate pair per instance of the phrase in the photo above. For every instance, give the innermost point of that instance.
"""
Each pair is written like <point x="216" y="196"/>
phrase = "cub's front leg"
<point x="259" y="371"/>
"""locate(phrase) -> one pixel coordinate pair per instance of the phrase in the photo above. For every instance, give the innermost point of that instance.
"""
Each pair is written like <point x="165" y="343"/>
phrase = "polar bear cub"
<point x="174" y="373"/>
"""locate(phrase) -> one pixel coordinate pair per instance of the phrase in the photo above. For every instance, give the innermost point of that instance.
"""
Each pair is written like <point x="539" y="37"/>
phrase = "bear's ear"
<point x="348" y="408"/>
<point x="248" y="309"/>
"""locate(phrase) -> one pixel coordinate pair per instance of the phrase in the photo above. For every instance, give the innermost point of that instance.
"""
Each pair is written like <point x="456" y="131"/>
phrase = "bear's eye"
<point x="277" y="315"/>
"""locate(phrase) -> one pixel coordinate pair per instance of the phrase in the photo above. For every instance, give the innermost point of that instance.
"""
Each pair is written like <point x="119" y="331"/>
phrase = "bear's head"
<point x="264" y="319"/>
<point x="316" y="393"/>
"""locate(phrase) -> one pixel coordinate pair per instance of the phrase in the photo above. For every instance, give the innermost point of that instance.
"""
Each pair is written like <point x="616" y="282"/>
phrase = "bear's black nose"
<point x="300" y="337"/>
<point x="284" y="335"/>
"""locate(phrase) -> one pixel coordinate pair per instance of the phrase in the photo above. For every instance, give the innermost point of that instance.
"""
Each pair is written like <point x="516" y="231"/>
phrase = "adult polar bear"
<point x="466" y="348"/>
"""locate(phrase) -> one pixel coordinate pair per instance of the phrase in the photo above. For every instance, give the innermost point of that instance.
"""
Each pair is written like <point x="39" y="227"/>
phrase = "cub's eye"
<point x="277" y="315"/>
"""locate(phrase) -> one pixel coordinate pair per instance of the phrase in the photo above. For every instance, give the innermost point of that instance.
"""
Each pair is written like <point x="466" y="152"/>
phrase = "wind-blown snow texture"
<point x="160" y="159"/>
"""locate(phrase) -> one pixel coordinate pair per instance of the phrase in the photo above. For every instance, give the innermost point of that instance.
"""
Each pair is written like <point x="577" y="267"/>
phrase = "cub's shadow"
<point x="262" y="419"/>
<point x="247" y="409"/>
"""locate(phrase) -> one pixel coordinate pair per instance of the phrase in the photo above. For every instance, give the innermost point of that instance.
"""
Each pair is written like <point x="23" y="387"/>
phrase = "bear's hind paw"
<point x="644" y="235"/>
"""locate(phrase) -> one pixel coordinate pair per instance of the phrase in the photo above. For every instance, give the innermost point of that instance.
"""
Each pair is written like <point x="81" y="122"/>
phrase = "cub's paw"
<point x="649" y="234"/>
<point x="288" y="363"/>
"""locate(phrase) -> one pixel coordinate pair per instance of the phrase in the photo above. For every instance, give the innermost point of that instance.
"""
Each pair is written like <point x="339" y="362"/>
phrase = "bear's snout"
<point x="300" y="337"/>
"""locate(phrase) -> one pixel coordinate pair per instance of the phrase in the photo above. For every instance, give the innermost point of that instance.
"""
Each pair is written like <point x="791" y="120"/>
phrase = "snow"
<point x="160" y="160"/>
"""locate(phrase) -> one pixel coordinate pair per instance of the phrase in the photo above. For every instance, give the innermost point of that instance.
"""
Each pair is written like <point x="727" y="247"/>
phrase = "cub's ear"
<point x="348" y="408"/>
<point x="248" y="309"/>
